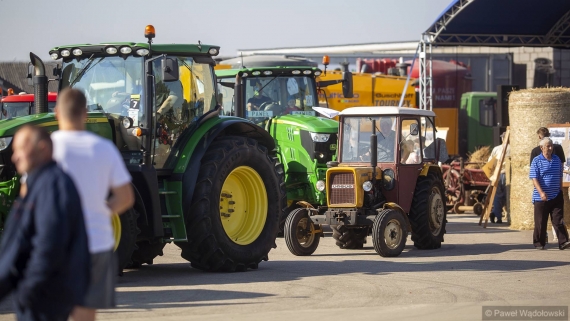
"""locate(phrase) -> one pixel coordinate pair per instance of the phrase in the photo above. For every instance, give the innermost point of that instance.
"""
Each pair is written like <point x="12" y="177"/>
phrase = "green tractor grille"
<point x="342" y="189"/>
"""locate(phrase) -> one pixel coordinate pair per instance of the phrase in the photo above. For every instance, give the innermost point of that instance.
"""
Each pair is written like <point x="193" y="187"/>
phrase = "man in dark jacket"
<point x="558" y="150"/>
<point x="44" y="257"/>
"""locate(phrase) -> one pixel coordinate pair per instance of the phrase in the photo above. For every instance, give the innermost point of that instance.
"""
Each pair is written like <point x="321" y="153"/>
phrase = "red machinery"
<point x="22" y="105"/>
<point x="465" y="187"/>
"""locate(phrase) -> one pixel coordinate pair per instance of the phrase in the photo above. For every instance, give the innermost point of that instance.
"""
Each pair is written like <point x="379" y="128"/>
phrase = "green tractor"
<point x="281" y="99"/>
<point x="208" y="183"/>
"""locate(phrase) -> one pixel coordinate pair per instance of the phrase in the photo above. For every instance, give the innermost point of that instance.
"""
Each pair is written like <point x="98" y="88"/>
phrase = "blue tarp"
<point x="504" y="23"/>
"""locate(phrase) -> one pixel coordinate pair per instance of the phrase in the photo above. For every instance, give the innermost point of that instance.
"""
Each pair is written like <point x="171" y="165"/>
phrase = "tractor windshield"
<point x="266" y="97"/>
<point x="111" y="84"/>
<point x="356" y="133"/>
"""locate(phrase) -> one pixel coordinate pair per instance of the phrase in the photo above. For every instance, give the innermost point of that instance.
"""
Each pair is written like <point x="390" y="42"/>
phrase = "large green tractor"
<point x="210" y="184"/>
<point x="280" y="99"/>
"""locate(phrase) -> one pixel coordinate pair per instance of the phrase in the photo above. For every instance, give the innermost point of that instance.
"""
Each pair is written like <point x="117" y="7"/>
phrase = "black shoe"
<point x="499" y="222"/>
<point x="539" y="247"/>
<point x="492" y="216"/>
<point x="565" y="245"/>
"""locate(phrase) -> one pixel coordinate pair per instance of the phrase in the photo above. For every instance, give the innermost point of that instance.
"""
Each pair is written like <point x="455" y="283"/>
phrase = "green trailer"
<point x="305" y="143"/>
<point x="211" y="184"/>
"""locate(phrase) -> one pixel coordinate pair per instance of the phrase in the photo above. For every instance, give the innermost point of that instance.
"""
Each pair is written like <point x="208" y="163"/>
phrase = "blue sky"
<point x="38" y="25"/>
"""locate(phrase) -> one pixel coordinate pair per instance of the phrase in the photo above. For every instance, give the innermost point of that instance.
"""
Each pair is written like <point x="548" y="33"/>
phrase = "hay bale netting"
<point x="529" y="110"/>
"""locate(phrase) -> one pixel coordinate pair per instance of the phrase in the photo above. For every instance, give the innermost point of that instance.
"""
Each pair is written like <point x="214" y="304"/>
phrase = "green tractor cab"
<point x="210" y="184"/>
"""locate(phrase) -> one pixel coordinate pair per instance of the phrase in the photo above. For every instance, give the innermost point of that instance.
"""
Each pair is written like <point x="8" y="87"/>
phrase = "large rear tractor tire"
<point x="146" y="252"/>
<point x="125" y="231"/>
<point x="300" y="235"/>
<point x="389" y="233"/>
<point x="233" y="219"/>
<point x="349" y="238"/>
<point x="427" y="214"/>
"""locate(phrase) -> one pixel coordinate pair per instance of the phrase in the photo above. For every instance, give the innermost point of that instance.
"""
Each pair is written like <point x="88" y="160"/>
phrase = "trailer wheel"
<point x="233" y="219"/>
<point x="300" y="235"/>
<point x="389" y="233"/>
<point x="349" y="238"/>
<point x="427" y="214"/>
<point x="125" y="231"/>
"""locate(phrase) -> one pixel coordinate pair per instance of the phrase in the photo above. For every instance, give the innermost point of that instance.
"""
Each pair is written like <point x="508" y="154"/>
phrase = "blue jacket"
<point x="43" y="251"/>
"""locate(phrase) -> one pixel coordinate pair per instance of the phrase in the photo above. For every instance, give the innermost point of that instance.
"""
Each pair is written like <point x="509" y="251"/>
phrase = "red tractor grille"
<point x="342" y="189"/>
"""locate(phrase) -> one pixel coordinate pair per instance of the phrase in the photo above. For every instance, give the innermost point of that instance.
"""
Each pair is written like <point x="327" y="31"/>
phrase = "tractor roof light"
<point x="142" y="52"/>
<point x="213" y="51"/>
<point x="245" y="74"/>
<point x="267" y="72"/>
<point x="326" y="60"/>
<point x="317" y="73"/>
<point x="126" y="50"/>
<point x="65" y="53"/>
<point x="111" y="50"/>
<point x="256" y="73"/>
<point x="77" y="52"/>
<point x="296" y="72"/>
<point x="149" y="32"/>
<point x="307" y="72"/>
<point x="54" y="55"/>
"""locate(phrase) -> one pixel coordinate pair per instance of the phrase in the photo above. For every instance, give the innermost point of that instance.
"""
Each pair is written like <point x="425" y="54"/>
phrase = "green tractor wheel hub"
<point x="243" y="205"/>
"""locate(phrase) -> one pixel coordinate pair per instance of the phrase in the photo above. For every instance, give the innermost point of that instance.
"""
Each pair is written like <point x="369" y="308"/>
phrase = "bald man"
<point x="97" y="168"/>
<point x="43" y="255"/>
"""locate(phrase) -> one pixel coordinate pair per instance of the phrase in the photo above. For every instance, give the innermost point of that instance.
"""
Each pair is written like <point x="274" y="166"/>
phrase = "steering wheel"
<point x="265" y="105"/>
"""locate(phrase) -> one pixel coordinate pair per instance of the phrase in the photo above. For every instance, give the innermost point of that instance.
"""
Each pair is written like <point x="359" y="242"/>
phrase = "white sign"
<point x="259" y="113"/>
<point x="303" y="112"/>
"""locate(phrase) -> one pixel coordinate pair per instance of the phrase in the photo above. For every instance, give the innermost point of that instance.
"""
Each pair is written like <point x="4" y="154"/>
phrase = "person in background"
<point x="80" y="155"/>
<point x="546" y="175"/>
<point x="558" y="151"/>
<point x="44" y="254"/>
<point x="501" y="193"/>
<point x="291" y="106"/>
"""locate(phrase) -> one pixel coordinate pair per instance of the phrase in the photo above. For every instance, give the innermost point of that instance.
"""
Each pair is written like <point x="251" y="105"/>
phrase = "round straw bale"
<point x="529" y="110"/>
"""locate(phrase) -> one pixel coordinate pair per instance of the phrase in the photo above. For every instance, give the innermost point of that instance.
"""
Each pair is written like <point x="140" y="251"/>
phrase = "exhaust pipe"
<point x="40" y="81"/>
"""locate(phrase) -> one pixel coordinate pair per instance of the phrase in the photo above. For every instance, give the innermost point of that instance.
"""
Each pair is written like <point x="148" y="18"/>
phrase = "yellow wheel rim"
<point x="243" y="205"/>
<point x="116" y="221"/>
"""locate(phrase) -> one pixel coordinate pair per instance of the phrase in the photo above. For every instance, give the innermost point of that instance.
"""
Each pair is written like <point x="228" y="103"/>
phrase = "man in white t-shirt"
<point x="97" y="169"/>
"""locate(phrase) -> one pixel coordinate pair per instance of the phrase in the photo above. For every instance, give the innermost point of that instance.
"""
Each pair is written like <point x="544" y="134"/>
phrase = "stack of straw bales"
<point x="529" y="110"/>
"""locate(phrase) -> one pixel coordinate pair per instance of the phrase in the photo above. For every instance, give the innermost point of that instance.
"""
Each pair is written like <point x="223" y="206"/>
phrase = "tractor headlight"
<point x="127" y="122"/>
<point x="5" y="142"/>
<point x="321" y="186"/>
<point x="367" y="186"/>
<point x="320" y="138"/>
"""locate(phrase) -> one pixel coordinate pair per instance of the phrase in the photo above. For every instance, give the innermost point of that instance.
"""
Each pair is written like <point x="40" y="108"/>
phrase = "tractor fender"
<point x="394" y="206"/>
<point x="431" y="168"/>
<point x="230" y="127"/>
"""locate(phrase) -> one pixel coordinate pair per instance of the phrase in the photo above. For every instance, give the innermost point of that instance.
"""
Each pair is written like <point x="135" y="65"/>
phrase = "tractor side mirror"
<point x="57" y="71"/>
<point x="347" y="91"/>
<point x="170" y="71"/>
<point x="414" y="129"/>
<point x="30" y="76"/>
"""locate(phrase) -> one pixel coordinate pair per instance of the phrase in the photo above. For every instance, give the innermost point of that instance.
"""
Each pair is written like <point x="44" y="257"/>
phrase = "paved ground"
<point x="475" y="267"/>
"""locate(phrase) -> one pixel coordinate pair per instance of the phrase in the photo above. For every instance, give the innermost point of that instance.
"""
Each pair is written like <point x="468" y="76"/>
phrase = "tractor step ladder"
<point x="173" y="219"/>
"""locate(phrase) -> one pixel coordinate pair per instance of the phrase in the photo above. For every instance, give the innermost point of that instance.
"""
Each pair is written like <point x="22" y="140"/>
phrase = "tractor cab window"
<point x="180" y="102"/>
<point x="410" y="152"/>
<point x="487" y="109"/>
<point x="266" y="97"/>
<point x="428" y="137"/>
<point x="356" y="133"/>
<point x="16" y="109"/>
<point x="226" y="96"/>
<point x="111" y="84"/>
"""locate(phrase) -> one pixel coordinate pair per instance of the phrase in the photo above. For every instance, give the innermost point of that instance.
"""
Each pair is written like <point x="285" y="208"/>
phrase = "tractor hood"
<point x="309" y="123"/>
<point x="9" y="127"/>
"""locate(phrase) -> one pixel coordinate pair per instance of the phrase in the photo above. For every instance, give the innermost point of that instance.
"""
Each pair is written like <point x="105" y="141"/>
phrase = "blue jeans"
<point x="500" y="198"/>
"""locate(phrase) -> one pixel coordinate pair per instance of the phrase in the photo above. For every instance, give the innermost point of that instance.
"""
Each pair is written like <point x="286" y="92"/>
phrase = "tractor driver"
<point x="255" y="102"/>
